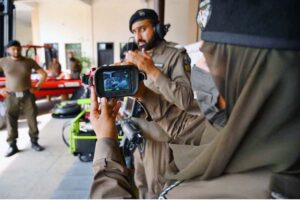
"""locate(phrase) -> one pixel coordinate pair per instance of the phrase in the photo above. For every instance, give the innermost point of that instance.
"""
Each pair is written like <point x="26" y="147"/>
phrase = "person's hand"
<point x="144" y="62"/>
<point x="4" y="93"/>
<point x="103" y="120"/>
<point x="142" y="89"/>
<point x="221" y="102"/>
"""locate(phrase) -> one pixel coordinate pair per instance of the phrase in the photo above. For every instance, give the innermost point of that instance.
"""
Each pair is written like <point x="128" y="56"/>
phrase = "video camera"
<point x="116" y="81"/>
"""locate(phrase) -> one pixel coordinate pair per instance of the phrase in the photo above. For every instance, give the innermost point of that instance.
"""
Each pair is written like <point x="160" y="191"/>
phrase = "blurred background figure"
<point x="54" y="68"/>
<point x="75" y="66"/>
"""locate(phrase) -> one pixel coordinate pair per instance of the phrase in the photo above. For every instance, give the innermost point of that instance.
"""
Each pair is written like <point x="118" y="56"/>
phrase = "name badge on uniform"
<point x="19" y="94"/>
<point x="159" y="65"/>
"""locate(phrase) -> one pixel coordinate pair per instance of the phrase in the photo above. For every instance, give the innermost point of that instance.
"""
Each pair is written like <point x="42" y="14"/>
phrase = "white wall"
<point x="67" y="21"/>
<point x="22" y="20"/>
<point x="94" y="21"/>
<point x="111" y="21"/>
<point x="23" y="32"/>
<point x="181" y="14"/>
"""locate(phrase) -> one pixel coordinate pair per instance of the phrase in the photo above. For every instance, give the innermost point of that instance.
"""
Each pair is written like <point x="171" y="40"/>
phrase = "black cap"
<point x="143" y="14"/>
<point x="13" y="43"/>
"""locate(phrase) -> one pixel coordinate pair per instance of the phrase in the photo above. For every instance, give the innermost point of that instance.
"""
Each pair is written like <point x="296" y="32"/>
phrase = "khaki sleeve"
<point x="177" y="88"/>
<point x="177" y="124"/>
<point x="140" y="175"/>
<point x="151" y="130"/>
<point x="111" y="177"/>
<point x="155" y="104"/>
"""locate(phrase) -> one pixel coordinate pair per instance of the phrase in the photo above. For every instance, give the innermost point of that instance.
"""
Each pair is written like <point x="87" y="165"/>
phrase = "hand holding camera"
<point x="144" y="63"/>
<point x="103" y="119"/>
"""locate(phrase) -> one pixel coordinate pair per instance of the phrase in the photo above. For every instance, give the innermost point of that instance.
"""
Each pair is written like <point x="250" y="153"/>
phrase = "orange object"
<point x="221" y="102"/>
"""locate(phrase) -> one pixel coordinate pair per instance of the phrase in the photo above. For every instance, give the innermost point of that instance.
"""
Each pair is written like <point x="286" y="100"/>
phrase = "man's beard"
<point x="148" y="45"/>
<point x="15" y="56"/>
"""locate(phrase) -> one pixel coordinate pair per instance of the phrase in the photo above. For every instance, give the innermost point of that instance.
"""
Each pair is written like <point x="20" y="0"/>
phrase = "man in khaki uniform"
<point x="18" y="93"/>
<point x="168" y="72"/>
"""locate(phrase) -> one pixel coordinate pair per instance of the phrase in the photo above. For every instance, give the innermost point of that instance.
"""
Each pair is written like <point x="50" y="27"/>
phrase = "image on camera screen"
<point x="116" y="80"/>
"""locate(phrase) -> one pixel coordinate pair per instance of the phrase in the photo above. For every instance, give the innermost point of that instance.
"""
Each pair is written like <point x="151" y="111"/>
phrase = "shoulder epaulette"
<point x="176" y="46"/>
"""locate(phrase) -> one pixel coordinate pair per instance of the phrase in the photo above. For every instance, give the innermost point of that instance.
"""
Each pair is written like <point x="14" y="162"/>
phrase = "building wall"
<point x="181" y="14"/>
<point x="62" y="22"/>
<point x="94" y="21"/>
<point x="24" y="31"/>
<point x="22" y="26"/>
<point x="110" y="21"/>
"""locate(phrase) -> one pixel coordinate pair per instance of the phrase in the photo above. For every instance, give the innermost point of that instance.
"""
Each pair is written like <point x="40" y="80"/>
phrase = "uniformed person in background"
<point x="75" y="66"/>
<point x="54" y="68"/>
<point x="18" y="93"/>
<point x="168" y="74"/>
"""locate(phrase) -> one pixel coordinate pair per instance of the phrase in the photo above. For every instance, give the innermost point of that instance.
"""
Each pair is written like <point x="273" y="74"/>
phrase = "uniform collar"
<point x="159" y="49"/>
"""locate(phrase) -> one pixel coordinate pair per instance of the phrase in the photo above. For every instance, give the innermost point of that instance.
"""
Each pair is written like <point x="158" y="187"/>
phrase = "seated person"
<point x="54" y="68"/>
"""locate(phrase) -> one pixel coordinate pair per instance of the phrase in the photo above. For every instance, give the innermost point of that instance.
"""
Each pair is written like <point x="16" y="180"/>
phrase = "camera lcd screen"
<point x="117" y="80"/>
